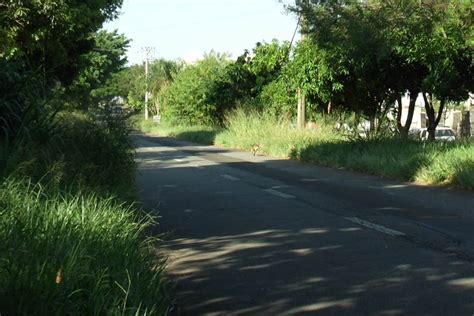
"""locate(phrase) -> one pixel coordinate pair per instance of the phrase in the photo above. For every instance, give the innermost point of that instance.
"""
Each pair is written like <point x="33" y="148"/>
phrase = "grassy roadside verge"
<point x="200" y="134"/>
<point x="450" y="164"/>
<point x="73" y="242"/>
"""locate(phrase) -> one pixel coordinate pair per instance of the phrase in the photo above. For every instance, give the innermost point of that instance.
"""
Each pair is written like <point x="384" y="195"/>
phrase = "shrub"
<point x="277" y="100"/>
<point x="188" y="99"/>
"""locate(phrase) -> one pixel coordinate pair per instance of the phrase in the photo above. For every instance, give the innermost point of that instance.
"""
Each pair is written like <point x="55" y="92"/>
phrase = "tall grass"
<point x="83" y="153"/>
<point x="71" y="241"/>
<point x="69" y="254"/>
<point x="276" y="137"/>
<point x="427" y="163"/>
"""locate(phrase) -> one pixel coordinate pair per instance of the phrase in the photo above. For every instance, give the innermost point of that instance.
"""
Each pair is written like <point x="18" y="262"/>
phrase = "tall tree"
<point x="51" y="35"/>
<point x="97" y="67"/>
<point x="387" y="48"/>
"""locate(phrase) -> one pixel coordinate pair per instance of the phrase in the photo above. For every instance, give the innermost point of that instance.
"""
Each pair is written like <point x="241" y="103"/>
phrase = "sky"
<point x="189" y="28"/>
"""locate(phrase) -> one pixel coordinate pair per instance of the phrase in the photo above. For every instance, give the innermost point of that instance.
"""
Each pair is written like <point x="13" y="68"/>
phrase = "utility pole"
<point x="148" y="51"/>
<point x="301" y="107"/>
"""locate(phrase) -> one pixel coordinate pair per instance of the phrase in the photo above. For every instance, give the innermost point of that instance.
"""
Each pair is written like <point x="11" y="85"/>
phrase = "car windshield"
<point x="444" y="132"/>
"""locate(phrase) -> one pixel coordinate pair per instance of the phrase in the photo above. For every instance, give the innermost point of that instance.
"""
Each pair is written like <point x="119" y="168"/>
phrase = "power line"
<point x="296" y="30"/>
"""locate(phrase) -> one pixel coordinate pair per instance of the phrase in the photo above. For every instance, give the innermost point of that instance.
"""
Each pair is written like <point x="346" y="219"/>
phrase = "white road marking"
<point x="379" y="228"/>
<point x="280" y="194"/>
<point x="229" y="177"/>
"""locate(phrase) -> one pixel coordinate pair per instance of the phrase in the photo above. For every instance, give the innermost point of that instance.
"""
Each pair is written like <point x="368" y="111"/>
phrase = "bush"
<point x="277" y="100"/>
<point x="66" y="254"/>
<point x="188" y="100"/>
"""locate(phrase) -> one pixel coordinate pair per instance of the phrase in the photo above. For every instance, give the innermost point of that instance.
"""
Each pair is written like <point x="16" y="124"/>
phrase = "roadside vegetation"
<point x="434" y="163"/>
<point x="73" y="240"/>
<point x="356" y="63"/>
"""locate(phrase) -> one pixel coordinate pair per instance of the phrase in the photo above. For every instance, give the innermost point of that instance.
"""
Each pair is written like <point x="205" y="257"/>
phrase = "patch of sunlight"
<point x="316" y="280"/>
<point x="330" y="247"/>
<point x="345" y="303"/>
<point x="395" y="186"/>
<point x="349" y="229"/>
<point x="464" y="282"/>
<point x="302" y="252"/>
<point x="315" y="231"/>
<point x="256" y="267"/>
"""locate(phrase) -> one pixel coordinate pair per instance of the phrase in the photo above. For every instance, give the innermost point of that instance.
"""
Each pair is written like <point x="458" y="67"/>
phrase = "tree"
<point x="97" y="67"/>
<point x="267" y="61"/>
<point x="51" y="35"/>
<point x="450" y="59"/>
<point x="387" y="48"/>
<point x="350" y="56"/>
<point x="162" y="73"/>
<point x="189" y="99"/>
<point x="41" y="46"/>
<point x="246" y="78"/>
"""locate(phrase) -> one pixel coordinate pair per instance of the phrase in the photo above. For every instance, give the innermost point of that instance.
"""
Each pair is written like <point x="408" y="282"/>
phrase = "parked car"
<point x="441" y="133"/>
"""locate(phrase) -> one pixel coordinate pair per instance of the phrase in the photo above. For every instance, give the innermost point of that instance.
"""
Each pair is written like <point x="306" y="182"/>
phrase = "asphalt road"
<point x="260" y="236"/>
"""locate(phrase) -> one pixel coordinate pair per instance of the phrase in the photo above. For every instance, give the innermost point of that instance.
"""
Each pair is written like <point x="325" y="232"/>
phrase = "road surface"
<point x="260" y="236"/>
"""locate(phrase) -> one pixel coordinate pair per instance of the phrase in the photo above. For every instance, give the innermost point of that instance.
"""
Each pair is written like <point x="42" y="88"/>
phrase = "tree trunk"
<point x="433" y="117"/>
<point x="399" y="114"/>
<point x="404" y="129"/>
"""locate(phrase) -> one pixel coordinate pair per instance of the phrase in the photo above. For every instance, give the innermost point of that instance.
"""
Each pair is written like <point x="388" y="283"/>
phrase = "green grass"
<point x="67" y="207"/>
<point x="276" y="137"/>
<point x="425" y="163"/>
<point x="89" y="155"/>
<point x="200" y="133"/>
<point x="97" y="246"/>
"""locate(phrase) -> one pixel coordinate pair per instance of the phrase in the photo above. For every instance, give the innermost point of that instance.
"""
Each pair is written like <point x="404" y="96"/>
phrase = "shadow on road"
<point x="236" y="250"/>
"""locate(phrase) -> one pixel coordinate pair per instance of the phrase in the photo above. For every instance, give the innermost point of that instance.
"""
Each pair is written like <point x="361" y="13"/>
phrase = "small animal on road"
<point x="255" y="148"/>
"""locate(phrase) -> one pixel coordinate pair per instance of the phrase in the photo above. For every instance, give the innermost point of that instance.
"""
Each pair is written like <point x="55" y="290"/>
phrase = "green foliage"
<point x="93" y="84"/>
<point x="46" y="45"/>
<point x="82" y="153"/>
<point x="267" y="62"/>
<point x="278" y="99"/>
<point x="368" y="53"/>
<point x="72" y="220"/>
<point x="130" y="83"/>
<point x="276" y="136"/>
<point x="190" y="98"/>
<point x="429" y="163"/>
<point x="205" y="92"/>
<point x="433" y="163"/>
<point x="24" y="111"/>
<point x="236" y="86"/>
<point x="201" y="134"/>
<point x="52" y="35"/>
<point x="68" y="245"/>
<point x="63" y="254"/>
